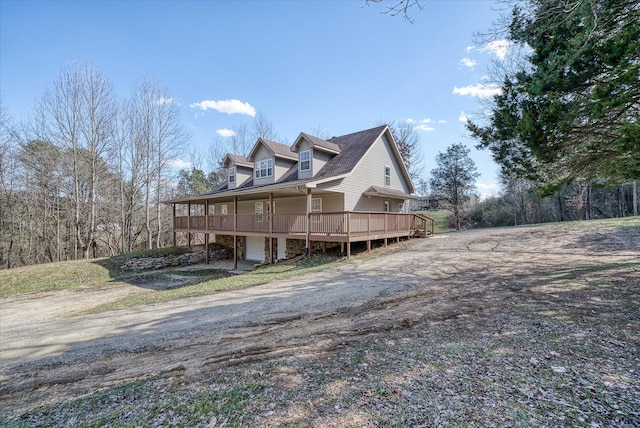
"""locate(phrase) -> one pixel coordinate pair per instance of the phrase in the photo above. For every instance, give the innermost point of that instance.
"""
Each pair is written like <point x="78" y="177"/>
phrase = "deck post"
<point x="206" y="248"/>
<point x="270" y="213"/>
<point x="308" y="238"/>
<point x="235" y="233"/>
<point x="385" y="242"/>
<point x="235" y="252"/>
<point x="369" y="246"/>
<point x="174" y="225"/>
<point x="270" y="249"/>
<point x="189" y="224"/>
<point x="206" y="235"/>
<point x="348" y="234"/>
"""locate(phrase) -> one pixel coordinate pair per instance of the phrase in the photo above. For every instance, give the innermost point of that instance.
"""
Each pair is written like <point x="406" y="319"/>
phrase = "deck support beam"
<point x="174" y="225"/>
<point x="206" y="235"/>
<point x="235" y="236"/>
<point x="308" y="237"/>
<point x="270" y="213"/>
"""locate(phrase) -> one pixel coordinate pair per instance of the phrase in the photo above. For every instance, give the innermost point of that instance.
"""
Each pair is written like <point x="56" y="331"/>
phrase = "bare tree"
<point x="8" y="186"/>
<point x="399" y="7"/>
<point x="170" y="137"/>
<point x="263" y="128"/>
<point x="408" y="142"/>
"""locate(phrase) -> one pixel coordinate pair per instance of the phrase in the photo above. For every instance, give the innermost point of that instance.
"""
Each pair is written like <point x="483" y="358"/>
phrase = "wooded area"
<point x="86" y="176"/>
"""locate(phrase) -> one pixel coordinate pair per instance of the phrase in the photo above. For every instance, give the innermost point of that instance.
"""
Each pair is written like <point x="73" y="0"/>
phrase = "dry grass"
<point x="538" y="345"/>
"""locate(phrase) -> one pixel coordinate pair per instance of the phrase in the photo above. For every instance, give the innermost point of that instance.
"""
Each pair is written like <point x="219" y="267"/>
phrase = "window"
<point x="316" y="205"/>
<point x="400" y="207"/>
<point x="264" y="167"/>
<point x="212" y="209"/>
<point x="223" y="209"/>
<point x="305" y="160"/>
<point x="386" y="206"/>
<point x="387" y="175"/>
<point x="259" y="212"/>
<point x="232" y="175"/>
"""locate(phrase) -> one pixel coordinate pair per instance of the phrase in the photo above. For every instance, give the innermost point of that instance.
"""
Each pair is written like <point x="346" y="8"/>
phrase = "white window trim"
<point x="308" y="160"/>
<point x="224" y="210"/>
<point x="387" y="177"/>
<point x="232" y="174"/>
<point x="263" y="167"/>
<point x="401" y="207"/>
<point x="318" y="208"/>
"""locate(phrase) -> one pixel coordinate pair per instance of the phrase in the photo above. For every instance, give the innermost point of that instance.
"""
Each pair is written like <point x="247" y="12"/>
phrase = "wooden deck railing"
<point x="335" y="224"/>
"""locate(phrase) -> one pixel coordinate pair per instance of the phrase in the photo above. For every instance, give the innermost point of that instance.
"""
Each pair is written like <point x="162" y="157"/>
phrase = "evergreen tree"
<point x="570" y="112"/>
<point x="454" y="177"/>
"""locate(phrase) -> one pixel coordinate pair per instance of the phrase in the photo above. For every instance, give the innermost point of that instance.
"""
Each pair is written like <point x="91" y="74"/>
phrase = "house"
<point x="282" y="201"/>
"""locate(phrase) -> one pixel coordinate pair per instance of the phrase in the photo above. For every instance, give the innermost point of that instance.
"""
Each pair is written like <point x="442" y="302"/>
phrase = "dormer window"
<point x="232" y="175"/>
<point x="264" y="167"/>
<point x="305" y="160"/>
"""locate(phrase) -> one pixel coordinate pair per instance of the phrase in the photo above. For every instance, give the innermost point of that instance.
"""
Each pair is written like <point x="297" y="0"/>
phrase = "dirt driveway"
<point x="47" y="357"/>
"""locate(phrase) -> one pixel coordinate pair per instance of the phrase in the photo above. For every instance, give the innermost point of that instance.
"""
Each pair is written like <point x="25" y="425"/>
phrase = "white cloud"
<point x="497" y="47"/>
<point x="442" y="121"/>
<point x="179" y="163"/>
<point x="467" y="62"/>
<point x="226" y="132"/>
<point x="487" y="190"/>
<point x="162" y="101"/>
<point x="232" y="106"/>
<point x="464" y="117"/>
<point x="479" y="90"/>
<point x="469" y="48"/>
<point x="486" y="186"/>
<point x="421" y="125"/>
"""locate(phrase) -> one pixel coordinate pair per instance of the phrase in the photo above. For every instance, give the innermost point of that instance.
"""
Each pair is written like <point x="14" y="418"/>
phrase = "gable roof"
<point x="317" y="143"/>
<point x="278" y="150"/>
<point x="352" y="149"/>
<point x="237" y="160"/>
<point x="384" y="192"/>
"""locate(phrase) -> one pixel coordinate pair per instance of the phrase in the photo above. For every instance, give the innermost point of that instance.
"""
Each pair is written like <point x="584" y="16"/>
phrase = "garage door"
<point x="255" y="248"/>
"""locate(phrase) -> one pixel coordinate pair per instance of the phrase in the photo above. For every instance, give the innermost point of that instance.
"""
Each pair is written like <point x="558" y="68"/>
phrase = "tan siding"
<point x="281" y="167"/>
<point x="332" y="203"/>
<point x="242" y="174"/>
<point x="296" y="204"/>
<point x="217" y="208"/>
<point x="319" y="159"/>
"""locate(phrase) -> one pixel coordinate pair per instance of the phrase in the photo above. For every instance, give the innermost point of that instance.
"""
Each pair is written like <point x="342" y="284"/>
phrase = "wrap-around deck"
<point x="346" y="226"/>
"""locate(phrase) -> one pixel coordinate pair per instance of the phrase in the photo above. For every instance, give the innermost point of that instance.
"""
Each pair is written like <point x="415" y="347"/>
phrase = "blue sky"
<point x="335" y="66"/>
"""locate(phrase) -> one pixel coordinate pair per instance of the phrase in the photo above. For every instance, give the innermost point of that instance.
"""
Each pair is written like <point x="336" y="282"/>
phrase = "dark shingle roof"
<point x="352" y="148"/>
<point x="239" y="160"/>
<point x="384" y="192"/>
<point x="279" y="149"/>
<point x="322" y="144"/>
